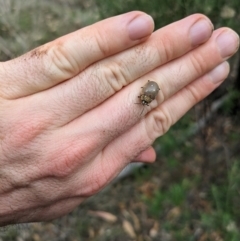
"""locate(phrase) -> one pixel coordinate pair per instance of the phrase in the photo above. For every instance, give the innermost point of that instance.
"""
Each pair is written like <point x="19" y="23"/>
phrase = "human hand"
<point x="68" y="126"/>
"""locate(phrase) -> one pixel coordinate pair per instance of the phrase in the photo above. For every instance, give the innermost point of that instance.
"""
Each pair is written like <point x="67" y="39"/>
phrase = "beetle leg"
<point x="142" y="111"/>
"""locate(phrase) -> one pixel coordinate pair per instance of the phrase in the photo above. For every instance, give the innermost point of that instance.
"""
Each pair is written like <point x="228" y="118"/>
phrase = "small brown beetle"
<point x="149" y="93"/>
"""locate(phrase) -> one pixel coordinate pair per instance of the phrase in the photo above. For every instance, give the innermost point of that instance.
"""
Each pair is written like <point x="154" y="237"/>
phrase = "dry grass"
<point x="26" y="24"/>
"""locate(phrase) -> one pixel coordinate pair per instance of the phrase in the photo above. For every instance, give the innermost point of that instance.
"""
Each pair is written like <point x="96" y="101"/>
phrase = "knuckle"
<point x="101" y="40"/>
<point x="114" y="76"/>
<point x="162" y="121"/>
<point x="193" y="94"/>
<point x="21" y="135"/>
<point x="166" y="52"/>
<point x="14" y="179"/>
<point x="68" y="157"/>
<point x="198" y="63"/>
<point x="64" y="62"/>
<point x="95" y="186"/>
<point x="98" y="179"/>
<point x="64" y="164"/>
<point x="106" y="79"/>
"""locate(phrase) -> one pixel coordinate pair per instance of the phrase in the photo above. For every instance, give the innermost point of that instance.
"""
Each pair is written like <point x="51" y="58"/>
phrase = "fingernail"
<point x="228" y="43"/>
<point x="140" y="27"/>
<point x="201" y="32"/>
<point x="218" y="74"/>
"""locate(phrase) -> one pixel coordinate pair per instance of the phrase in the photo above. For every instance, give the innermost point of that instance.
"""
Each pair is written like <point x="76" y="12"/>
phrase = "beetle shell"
<point x="149" y="92"/>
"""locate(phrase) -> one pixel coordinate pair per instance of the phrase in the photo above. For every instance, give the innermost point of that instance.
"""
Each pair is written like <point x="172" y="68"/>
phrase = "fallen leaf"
<point x="136" y="221"/>
<point x="148" y="189"/>
<point x="36" y="237"/>
<point x="128" y="228"/>
<point x="232" y="227"/>
<point x="91" y="232"/>
<point x="106" y="216"/>
<point x="174" y="213"/>
<point x="154" y="230"/>
<point x="216" y="236"/>
<point x="227" y="12"/>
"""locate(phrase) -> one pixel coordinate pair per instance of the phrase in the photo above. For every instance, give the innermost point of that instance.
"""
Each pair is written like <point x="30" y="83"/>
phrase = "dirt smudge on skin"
<point x="39" y="52"/>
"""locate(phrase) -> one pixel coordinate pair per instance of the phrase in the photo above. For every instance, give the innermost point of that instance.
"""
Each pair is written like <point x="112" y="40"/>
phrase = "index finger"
<point x="67" y="56"/>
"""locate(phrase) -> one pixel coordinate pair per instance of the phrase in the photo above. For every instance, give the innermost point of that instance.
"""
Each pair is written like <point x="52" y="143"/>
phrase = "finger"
<point x="176" y="75"/>
<point x="160" y="119"/>
<point x="32" y="209"/>
<point x="65" y="57"/>
<point x="108" y="76"/>
<point x="58" y="209"/>
<point x="148" y="156"/>
<point x="118" y="114"/>
<point x="118" y="153"/>
<point x="121" y="151"/>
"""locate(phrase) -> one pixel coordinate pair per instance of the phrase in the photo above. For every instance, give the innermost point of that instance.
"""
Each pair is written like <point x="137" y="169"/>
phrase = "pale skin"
<point x="67" y="125"/>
